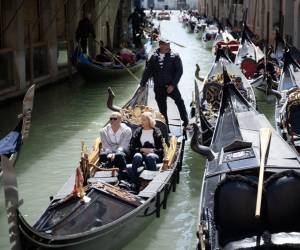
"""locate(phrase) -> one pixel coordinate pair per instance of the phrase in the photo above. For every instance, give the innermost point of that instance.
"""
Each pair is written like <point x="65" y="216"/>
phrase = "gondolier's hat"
<point x="164" y="40"/>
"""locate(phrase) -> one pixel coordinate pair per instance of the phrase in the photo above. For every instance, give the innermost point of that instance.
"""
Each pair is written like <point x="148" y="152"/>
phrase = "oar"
<point x="119" y="61"/>
<point x="178" y="44"/>
<point x="265" y="140"/>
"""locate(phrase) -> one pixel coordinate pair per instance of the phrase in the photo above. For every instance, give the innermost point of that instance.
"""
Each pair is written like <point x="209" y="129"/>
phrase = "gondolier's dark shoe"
<point x="125" y="185"/>
<point x="134" y="188"/>
<point x="130" y="187"/>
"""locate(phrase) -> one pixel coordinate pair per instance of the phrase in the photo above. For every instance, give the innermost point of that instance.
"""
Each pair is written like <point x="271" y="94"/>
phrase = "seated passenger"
<point x="126" y="55"/>
<point x="115" y="138"/>
<point x="146" y="146"/>
<point x="103" y="56"/>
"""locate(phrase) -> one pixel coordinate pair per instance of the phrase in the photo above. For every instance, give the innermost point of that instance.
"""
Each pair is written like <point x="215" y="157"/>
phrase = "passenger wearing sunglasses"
<point x="115" y="138"/>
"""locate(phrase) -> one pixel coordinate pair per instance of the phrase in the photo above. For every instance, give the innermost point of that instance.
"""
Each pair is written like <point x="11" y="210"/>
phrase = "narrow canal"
<point x="67" y="113"/>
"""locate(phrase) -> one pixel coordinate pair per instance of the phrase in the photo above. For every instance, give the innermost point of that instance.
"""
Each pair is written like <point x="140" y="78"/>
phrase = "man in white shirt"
<point x="115" y="138"/>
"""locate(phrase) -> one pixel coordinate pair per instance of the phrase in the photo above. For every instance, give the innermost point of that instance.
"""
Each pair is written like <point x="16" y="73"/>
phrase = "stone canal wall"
<point x="37" y="38"/>
<point x="264" y="16"/>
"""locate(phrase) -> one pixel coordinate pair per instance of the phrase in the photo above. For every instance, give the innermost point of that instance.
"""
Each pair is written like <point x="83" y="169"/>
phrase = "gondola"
<point x="164" y="15"/>
<point x="192" y="22"/>
<point x="200" y="28"/>
<point x="10" y="147"/>
<point x="93" y="71"/>
<point x="287" y="116"/>
<point x="231" y="214"/>
<point x="248" y="58"/>
<point x="225" y="40"/>
<point x="97" y="211"/>
<point x="209" y="36"/>
<point x="10" y="144"/>
<point x="208" y="94"/>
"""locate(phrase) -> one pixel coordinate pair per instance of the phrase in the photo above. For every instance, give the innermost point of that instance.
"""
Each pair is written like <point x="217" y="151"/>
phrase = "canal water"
<point x="70" y="112"/>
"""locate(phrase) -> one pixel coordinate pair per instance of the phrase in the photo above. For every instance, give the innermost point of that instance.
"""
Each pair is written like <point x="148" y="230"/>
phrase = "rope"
<point x="14" y="16"/>
<point x="54" y="17"/>
<point x="101" y="12"/>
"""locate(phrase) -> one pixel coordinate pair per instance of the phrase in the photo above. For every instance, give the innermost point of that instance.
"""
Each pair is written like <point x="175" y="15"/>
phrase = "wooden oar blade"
<point x="265" y="135"/>
<point x="178" y="44"/>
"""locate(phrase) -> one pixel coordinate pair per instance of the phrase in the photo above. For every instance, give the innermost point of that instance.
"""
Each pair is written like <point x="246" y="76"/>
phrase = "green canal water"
<point x="67" y="113"/>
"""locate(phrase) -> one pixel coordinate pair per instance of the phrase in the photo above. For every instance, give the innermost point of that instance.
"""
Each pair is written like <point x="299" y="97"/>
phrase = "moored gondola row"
<point x="248" y="198"/>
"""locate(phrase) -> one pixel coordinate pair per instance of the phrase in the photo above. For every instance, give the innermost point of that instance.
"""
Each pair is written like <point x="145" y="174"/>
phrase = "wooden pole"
<point x="268" y="28"/>
<point x="68" y="41"/>
<point x="265" y="140"/>
<point x="13" y="18"/>
<point x="101" y="12"/>
<point x="31" y="67"/>
<point x="280" y="19"/>
<point x="254" y="21"/>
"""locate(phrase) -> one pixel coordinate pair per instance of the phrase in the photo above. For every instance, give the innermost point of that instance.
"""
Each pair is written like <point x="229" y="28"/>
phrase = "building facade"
<point x="38" y="36"/>
<point x="264" y="17"/>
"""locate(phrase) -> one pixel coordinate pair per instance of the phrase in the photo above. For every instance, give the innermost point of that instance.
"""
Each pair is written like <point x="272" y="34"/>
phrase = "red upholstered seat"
<point x="249" y="67"/>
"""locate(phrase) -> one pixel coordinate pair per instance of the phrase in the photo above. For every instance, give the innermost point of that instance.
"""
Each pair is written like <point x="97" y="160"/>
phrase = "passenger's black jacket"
<point x="136" y="145"/>
<point x="169" y="74"/>
<point x="85" y="27"/>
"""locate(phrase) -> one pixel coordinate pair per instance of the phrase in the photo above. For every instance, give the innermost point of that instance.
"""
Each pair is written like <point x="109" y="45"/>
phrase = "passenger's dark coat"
<point x="136" y="145"/>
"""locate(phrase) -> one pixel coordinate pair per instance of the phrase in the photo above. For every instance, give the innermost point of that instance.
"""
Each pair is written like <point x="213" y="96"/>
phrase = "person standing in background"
<point x="84" y="29"/>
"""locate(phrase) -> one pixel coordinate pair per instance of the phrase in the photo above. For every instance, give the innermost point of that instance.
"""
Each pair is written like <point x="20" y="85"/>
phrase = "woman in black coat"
<point x="146" y="146"/>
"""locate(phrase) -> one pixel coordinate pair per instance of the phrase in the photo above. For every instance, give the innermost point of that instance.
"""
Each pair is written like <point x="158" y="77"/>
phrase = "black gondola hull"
<point x="113" y="235"/>
<point x="92" y="72"/>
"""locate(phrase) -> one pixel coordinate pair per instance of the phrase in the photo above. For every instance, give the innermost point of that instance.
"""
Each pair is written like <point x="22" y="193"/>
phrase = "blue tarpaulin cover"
<point x="10" y="143"/>
<point x="83" y="59"/>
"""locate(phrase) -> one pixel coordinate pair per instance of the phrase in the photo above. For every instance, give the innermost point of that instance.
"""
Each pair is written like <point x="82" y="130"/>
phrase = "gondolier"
<point x="166" y="69"/>
<point x="84" y="29"/>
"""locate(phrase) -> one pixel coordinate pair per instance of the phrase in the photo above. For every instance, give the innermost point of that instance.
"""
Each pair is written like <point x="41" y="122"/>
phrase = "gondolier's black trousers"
<point x="83" y="44"/>
<point x="161" y="99"/>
